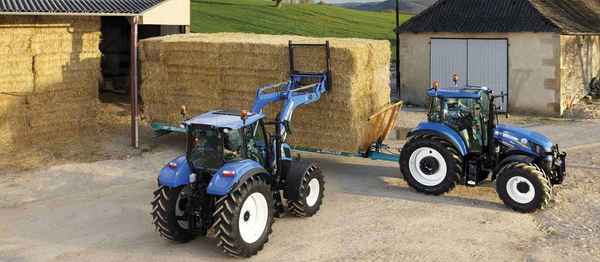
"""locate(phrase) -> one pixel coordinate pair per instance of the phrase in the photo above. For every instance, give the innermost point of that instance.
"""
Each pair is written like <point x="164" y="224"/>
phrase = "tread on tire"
<point x="226" y="216"/>
<point x="164" y="216"/>
<point x="454" y="163"/>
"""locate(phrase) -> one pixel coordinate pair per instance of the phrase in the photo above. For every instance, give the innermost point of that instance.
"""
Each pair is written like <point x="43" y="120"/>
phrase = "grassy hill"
<point x="259" y="16"/>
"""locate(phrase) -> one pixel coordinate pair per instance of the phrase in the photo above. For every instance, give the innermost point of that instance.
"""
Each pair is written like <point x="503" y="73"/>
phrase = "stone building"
<point x="542" y="53"/>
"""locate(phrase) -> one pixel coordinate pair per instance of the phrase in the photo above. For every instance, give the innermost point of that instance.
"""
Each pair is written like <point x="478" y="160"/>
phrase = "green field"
<point x="259" y="16"/>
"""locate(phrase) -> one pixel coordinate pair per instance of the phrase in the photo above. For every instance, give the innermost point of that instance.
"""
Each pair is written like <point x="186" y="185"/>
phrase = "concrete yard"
<point x="99" y="211"/>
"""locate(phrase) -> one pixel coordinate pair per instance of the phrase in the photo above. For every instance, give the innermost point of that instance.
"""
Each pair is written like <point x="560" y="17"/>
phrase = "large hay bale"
<point x="48" y="83"/>
<point x="210" y="71"/>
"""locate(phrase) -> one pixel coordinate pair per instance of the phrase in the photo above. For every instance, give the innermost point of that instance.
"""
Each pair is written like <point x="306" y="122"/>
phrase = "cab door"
<point x="258" y="144"/>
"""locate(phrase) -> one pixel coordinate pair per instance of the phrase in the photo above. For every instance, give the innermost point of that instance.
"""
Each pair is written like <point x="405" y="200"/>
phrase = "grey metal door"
<point x="448" y="57"/>
<point x="478" y="62"/>
<point x="488" y="65"/>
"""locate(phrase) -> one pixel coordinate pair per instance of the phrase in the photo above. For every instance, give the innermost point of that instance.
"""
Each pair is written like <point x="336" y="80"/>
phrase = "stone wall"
<point x="579" y="64"/>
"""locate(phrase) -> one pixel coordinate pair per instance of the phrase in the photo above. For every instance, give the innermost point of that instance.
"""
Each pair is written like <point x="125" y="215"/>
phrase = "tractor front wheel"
<point x="430" y="165"/>
<point x="310" y="192"/>
<point x="524" y="187"/>
<point x="169" y="214"/>
<point x="244" y="217"/>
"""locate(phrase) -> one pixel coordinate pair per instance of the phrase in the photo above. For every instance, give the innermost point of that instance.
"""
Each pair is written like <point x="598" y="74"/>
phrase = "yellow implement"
<point x="382" y="123"/>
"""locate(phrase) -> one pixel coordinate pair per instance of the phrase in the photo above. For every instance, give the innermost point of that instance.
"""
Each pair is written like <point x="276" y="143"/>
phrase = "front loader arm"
<point x="293" y="95"/>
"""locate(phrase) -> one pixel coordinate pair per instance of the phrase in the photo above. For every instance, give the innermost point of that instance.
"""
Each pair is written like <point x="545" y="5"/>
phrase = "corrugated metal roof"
<point x="489" y="16"/>
<point x="77" y="6"/>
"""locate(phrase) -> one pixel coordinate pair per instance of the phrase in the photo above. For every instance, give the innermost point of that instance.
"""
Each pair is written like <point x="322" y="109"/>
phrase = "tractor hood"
<point x="516" y="136"/>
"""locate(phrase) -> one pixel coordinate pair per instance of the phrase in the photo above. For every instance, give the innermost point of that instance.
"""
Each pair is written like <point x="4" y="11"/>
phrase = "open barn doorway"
<point x="116" y="54"/>
<point x="120" y="94"/>
<point x="115" y="59"/>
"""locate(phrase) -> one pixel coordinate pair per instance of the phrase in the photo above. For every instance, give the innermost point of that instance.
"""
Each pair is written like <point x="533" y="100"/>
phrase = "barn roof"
<point x="483" y="16"/>
<point x="77" y="7"/>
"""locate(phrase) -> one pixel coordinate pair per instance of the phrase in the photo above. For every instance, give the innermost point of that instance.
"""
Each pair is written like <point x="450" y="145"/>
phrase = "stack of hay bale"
<point x="48" y="82"/>
<point x="223" y="71"/>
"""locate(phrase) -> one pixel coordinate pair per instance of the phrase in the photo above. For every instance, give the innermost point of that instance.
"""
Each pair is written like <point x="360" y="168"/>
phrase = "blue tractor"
<point x="235" y="177"/>
<point x="462" y="142"/>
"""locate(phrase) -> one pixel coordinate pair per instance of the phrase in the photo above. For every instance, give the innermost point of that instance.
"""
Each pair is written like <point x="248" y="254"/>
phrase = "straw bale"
<point x="58" y="63"/>
<point x="42" y="43"/>
<point x="14" y="43"/>
<point x="51" y="70"/>
<point x="228" y="68"/>
<point x="16" y="74"/>
<point x="14" y="20"/>
<point x="68" y="24"/>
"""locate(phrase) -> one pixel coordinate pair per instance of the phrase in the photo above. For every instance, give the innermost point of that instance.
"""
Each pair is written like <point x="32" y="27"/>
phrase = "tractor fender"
<point x="294" y="177"/>
<point x="517" y="157"/>
<point x="441" y="130"/>
<point x="221" y="185"/>
<point x="176" y="173"/>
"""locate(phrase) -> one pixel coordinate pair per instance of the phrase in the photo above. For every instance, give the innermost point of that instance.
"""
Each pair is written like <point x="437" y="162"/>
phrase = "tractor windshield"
<point x="205" y="147"/>
<point x="210" y="148"/>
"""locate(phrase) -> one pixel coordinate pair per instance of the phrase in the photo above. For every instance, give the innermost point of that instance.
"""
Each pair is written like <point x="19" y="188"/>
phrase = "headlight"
<point x="539" y="150"/>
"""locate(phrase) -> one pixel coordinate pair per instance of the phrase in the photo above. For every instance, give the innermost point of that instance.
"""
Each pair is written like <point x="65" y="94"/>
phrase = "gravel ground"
<point x="99" y="211"/>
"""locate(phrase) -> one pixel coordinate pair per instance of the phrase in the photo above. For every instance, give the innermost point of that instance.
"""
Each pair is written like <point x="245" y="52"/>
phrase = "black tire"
<point x="535" y="176"/>
<point x="453" y="163"/>
<point x="165" y="220"/>
<point x="227" y="218"/>
<point x="305" y="207"/>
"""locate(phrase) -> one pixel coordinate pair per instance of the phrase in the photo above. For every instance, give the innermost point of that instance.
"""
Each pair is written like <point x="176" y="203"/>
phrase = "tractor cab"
<point x="468" y="111"/>
<point x="219" y="137"/>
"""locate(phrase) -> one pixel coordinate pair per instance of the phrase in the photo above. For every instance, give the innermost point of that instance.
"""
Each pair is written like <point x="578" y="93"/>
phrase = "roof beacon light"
<point x="244" y="114"/>
<point x="183" y="112"/>
<point x="436" y="85"/>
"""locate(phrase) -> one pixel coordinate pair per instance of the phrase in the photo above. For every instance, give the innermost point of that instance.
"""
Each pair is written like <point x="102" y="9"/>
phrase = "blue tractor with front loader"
<point x="462" y="142"/>
<point x="235" y="177"/>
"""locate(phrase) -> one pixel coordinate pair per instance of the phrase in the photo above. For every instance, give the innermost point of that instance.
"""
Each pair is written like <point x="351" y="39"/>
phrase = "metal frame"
<point x="326" y="72"/>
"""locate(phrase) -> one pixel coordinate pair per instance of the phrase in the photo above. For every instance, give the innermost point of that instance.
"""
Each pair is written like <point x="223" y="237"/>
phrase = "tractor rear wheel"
<point x="244" y="217"/>
<point x="524" y="187"/>
<point x="310" y="193"/>
<point x="431" y="165"/>
<point x="169" y="216"/>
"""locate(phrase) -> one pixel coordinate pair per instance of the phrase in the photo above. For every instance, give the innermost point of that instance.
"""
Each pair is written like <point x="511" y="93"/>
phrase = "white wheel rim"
<point x="520" y="196"/>
<point x="418" y="174"/>
<point x="253" y="217"/>
<point x="314" y="190"/>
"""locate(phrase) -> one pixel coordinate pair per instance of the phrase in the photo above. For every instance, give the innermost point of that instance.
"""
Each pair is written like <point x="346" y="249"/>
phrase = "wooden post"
<point x="398" y="50"/>
<point x="133" y="84"/>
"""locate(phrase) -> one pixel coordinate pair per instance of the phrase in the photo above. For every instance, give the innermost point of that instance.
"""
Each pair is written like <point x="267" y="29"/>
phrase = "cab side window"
<point x="256" y="143"/>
